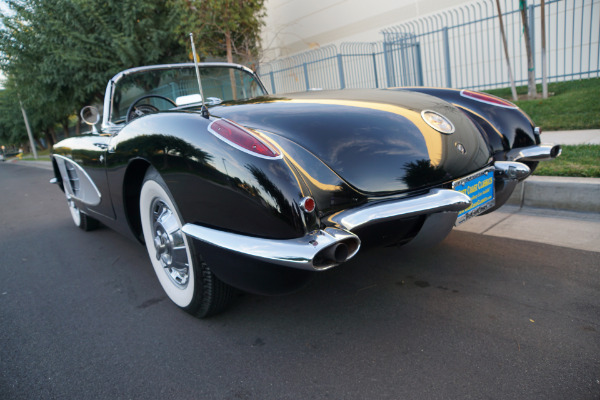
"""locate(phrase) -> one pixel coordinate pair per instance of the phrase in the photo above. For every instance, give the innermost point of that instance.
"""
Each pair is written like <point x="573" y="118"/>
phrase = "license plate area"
<point x="480" y="188"/>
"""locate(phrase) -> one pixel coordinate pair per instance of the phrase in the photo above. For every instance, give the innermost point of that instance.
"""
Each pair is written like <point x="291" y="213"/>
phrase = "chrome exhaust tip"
<point x="535" y="153"/>
<point x="316" y="251"/>
<point x="336" y="254"/>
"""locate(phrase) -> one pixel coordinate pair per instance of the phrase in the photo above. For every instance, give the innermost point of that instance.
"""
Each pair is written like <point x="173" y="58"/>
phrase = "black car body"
<point x="261" y="191"/>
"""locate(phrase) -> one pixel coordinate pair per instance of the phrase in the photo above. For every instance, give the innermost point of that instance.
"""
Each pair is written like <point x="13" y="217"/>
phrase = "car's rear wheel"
<point x="184" y="276"/>
<point x="81" y="220"/>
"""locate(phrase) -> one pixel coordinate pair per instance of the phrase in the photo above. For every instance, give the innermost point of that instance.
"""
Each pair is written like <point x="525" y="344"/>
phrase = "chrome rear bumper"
<point x="329" y="247"/>
<point x="437" y="200"/>
<point x="316" y="251"/>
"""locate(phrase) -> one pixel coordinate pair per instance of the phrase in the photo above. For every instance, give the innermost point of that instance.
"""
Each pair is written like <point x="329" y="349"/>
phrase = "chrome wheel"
<point x="75" y="214"/>
<point x="183" y="275"/>
<point x="169" y="244"/>
<point x="81" y="220"/>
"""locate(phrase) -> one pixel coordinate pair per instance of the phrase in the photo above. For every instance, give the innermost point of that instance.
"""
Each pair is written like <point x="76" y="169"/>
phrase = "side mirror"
<point x="90" y="115"/>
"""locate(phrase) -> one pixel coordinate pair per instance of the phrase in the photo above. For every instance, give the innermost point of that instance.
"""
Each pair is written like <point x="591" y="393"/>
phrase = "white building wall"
<point x="293" y="26"/>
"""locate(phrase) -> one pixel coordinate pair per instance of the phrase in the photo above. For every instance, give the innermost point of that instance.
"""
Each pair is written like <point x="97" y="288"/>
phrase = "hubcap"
<point x="74" y="211"/>
<point x="169" y="243"/>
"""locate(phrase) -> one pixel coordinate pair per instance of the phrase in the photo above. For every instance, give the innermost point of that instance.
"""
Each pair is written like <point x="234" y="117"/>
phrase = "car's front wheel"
<point x="184" y="276"/>
<point x="81" y="220"/>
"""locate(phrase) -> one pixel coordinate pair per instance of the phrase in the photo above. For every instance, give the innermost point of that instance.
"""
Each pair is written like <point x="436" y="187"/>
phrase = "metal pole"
<point x="447" y="57"/>
<point x="306" y="76"/>
<point x="417" y="54"/>
<point x="341" y="71"/>
<point x="375" y="70"/>
<point x="31" y="141"/>
<point x="272" y="82"/>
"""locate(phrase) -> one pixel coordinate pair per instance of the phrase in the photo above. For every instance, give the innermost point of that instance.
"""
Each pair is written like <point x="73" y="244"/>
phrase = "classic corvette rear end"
<point x="261" y="191"/>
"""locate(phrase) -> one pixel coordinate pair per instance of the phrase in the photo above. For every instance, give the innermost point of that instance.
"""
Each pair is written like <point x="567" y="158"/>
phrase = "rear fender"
<point x="213" y="183"/>
<point x="507" y="127"/>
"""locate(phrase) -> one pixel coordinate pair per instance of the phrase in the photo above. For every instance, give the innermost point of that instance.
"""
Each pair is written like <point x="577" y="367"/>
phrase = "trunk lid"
<point x="376" y="140"/>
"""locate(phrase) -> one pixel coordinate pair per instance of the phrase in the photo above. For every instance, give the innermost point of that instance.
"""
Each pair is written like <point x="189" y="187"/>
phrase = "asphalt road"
<point x="82" y="316"/>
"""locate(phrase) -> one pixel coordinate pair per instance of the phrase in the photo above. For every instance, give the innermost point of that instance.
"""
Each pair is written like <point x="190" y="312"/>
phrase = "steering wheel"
<point x="134" y="112"/>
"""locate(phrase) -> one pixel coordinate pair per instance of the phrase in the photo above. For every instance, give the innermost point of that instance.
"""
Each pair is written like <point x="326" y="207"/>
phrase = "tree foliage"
<point x="61" y="53"/>
<point x="12" y="127"/>
<point x="228" y="29"/>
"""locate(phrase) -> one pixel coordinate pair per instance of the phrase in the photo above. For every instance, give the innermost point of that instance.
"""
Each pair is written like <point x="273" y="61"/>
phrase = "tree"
<point x="532" y="90"/>
<point x="227" y="29"/>
<point x="61" y="53"/>
<point x="10" y="116"/>
<point x="513" y="89"/>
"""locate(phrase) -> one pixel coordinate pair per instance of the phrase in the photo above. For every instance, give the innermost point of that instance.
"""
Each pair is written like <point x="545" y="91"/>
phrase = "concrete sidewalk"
<point x="560" y="193"/>
<point x="559" y="228"/>
<point x="589" y="136"/>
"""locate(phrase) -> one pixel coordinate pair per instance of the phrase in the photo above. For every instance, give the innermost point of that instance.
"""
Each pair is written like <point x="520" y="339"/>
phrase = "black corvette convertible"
<point x="245" y="190"/>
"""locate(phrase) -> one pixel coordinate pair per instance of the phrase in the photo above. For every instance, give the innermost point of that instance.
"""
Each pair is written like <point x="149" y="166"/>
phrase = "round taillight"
<point x="487" y="98"/>
<point x="308" y="204"/>
<point x="241" y="139"/>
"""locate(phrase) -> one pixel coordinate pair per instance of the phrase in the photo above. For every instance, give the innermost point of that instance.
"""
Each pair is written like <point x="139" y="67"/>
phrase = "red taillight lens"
<point x="308" y="204"/>
<point x="487" y="98"/>
<point x="241" y="139"/>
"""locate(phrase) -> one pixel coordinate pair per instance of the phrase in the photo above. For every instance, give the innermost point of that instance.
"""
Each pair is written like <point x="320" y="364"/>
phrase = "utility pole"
<point x="31" y="141"/>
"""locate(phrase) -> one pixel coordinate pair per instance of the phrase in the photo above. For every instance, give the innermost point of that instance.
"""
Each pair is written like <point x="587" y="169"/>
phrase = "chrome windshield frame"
<point x="110" y="127"/>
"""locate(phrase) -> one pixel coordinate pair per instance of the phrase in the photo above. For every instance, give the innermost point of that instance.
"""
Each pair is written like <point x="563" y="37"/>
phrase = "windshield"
<point x="180" y="85"/>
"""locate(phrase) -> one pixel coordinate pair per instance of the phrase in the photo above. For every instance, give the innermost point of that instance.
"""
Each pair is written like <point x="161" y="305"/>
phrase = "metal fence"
<point x="458" y="48"/>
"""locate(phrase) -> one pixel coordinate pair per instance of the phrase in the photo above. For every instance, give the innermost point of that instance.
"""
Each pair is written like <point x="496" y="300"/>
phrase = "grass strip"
<point x="575" y="161"/>
<point x="571" y="105"/>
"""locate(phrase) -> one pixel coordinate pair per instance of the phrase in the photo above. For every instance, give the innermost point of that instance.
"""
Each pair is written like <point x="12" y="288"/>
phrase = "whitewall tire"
<point x="185" y="278"/>
<point x="81" y="220"/>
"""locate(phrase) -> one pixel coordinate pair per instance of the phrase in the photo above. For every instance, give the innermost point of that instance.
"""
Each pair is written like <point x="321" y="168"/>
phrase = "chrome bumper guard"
<point x="511" y="170"/>
<point x="316" y="251"/>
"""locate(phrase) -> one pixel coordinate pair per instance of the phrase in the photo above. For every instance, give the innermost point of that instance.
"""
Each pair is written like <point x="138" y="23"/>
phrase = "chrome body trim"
<point x="534" y="153"/>
<point x="425" y="115"/>
<point x="88" y="191"/>
<point x="437" y="200"/>
<point x="219" y="136"/>
<point x="110" y="127"/>
<point x="316" y="251"/>
<point x="303" y="204"/>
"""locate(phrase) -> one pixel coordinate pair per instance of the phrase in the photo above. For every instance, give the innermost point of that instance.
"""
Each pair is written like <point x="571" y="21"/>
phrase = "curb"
<point x="37" y="164"/>
<point x="558" y="193"/>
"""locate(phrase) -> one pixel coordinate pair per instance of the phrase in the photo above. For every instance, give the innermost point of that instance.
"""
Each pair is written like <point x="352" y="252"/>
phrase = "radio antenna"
<point x="203" y="109"/>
